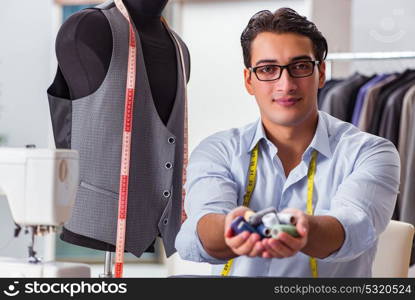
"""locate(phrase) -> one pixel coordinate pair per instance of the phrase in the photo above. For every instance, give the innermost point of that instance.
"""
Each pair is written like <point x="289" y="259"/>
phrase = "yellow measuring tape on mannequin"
<point x="251" y="186"/>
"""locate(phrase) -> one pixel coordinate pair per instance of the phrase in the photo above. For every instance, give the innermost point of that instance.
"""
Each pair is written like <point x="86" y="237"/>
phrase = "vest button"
<point x="168" y="165"/>
<point x="166" y="193"/>
<point x="171" y="140"/>
<point x="165" y="221"/>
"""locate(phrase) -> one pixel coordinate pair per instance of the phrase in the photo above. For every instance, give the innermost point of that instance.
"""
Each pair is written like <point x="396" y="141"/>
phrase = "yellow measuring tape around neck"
<point x="251" y="186"/>
<point x="310" y="210"/>
<point x="247" y="197"/>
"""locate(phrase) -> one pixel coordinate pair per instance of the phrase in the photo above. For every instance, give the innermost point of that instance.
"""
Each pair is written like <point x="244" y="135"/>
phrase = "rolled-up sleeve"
<point x="210" y="188"/>
<point x="365" y="201"/>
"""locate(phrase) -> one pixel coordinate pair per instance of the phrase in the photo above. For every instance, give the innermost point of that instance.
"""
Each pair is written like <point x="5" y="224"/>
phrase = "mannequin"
<point x="84" y="47"/>
<point x="84" y="56"/>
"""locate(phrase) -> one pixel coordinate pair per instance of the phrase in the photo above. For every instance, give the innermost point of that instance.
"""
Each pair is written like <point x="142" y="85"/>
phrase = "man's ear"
<point x="248" y="81"/>
<point x="321" y="74"/>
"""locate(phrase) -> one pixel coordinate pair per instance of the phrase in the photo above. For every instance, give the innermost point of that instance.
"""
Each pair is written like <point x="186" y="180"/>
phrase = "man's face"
<point x="286" y="101"/>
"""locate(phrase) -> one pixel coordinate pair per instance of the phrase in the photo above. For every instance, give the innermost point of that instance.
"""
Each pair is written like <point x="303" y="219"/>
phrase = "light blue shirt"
<point x="356" y="181"/>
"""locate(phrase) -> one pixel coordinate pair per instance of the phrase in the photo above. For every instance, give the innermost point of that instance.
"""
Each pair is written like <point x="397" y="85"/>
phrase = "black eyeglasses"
<point x="296" y="69"/>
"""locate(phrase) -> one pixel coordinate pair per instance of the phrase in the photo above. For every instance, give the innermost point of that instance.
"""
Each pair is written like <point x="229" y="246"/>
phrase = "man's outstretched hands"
<point x="284" y="245"/>
<point x="250" y="244"/>
<point x="245" y="243"/>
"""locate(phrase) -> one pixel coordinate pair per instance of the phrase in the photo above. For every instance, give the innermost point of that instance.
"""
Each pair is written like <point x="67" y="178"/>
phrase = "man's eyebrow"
<point x="264" y="61"/>
<point x="302" y="57"/>
<point x="275" y="61"/>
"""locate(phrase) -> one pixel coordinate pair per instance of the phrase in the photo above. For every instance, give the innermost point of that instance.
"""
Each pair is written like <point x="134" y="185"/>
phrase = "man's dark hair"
<point x="283" y="20"/>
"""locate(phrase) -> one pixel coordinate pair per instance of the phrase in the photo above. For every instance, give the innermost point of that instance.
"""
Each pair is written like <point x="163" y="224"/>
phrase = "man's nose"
<point x="286" y="83"/>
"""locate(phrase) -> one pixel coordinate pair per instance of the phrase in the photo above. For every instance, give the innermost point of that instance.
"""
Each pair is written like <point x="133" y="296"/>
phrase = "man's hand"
<point x="244" y="243"/>
<point x="284" y="245"/>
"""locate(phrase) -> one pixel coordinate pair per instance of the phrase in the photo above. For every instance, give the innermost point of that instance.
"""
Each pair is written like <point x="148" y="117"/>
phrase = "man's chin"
<point x="287" y="121"/>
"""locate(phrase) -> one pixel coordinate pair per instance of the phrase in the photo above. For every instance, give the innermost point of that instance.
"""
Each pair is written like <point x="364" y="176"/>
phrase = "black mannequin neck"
<point x="146" y="8"/>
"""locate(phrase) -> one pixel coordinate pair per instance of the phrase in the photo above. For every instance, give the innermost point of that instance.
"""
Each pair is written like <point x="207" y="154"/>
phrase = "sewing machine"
<point x="40" y="186"/>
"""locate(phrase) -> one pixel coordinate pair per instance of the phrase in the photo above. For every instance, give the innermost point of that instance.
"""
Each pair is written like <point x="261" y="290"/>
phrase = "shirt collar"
<point x="259" y="134"/>
<point x="320" y="141"/>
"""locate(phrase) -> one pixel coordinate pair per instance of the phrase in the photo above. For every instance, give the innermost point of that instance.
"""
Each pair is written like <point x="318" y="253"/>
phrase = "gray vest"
<point x="94" y="128"/>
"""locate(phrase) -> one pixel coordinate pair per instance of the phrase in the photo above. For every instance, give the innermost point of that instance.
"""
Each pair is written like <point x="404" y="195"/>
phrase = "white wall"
<point x="27" y="30"/>
<point x="383" y="25"/>
<point x="333" y="19"/>
<point x="211" y="30"/>
<point x="27" y="46"/>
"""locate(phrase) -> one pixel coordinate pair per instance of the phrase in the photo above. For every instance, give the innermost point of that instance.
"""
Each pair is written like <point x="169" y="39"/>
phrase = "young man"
<point x="339" y="183"/>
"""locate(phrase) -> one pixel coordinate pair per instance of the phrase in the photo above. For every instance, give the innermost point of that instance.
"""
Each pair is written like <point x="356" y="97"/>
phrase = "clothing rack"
<point x="367" y="56"/>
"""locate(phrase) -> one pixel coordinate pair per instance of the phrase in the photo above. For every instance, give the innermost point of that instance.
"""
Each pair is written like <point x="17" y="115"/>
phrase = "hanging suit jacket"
<point x="93" y="125"/>
<point x="339" y="101"/>
<point x="389" y="127"/>
<point x="391" y="117"/>
<point x="369" y="103"/>
<point x="405" y="125"/>
<point x="406" y="201"/>
<point x="322" y="93"/>
<point x="384" y="95"/>
<point x="361" y="97"/>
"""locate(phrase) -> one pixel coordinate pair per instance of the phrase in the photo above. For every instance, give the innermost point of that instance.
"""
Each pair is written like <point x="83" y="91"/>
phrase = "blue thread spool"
<point x="239" y="225"/>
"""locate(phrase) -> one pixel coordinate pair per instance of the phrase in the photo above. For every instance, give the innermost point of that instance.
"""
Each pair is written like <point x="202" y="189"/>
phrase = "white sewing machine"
<point x="40" y="186"/>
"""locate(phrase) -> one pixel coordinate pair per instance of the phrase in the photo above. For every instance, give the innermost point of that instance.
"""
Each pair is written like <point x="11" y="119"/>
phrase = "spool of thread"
<point x="239" y="225"/>
<point x="290" y="229"/>
<point x="248" y="214"/>
<point x="270" y="220"/>
<point x="286" y="218"/>
<point x="256" y="218"/>
<point x="264" y="231"/>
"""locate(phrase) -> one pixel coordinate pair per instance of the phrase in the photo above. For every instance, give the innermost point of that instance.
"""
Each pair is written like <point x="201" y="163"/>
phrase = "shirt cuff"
<point x="360" y="234"/>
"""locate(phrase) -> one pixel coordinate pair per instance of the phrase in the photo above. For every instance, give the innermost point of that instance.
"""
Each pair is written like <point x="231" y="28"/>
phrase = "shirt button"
<point x="165" y="221"/>
<point x="168" y="165"/>
<point x="166" y="193"/>
<point x="171" y="140"/>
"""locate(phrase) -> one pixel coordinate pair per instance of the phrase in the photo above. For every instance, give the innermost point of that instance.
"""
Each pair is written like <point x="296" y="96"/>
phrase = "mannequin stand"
<point x="107" y="266"/>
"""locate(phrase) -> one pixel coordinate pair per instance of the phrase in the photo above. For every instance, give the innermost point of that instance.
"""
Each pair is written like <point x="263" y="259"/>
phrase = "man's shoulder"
<point x="229" y="141"/>
<point x="233" y="133"/>
<point x="346" y="136"/>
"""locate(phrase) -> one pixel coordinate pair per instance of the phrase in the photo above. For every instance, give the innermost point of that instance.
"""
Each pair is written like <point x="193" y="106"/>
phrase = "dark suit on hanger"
<point x="322" y="93"/>
<point x="384" y="95"/>
<point x="361" y="95"/>
<point x="405" y="130"/>
<point x="391" y="117"/>
<point x="407" y="200"/>
<point x="340" y="99"/>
